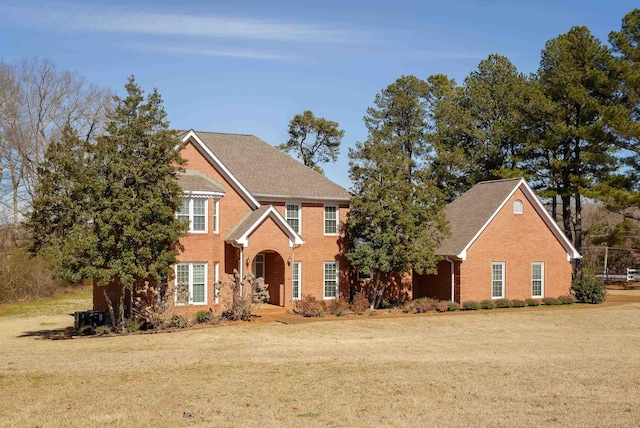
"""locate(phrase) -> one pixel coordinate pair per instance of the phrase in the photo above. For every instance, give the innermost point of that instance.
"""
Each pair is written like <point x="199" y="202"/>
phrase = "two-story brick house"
<point x="253" y="208"/>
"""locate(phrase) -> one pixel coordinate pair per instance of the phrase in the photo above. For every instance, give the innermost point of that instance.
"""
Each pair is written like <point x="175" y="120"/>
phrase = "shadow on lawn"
<point x="51" y="334"/>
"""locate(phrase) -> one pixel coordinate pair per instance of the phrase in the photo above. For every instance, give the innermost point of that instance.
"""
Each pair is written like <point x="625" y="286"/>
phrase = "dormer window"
<point x="518" y="207"/>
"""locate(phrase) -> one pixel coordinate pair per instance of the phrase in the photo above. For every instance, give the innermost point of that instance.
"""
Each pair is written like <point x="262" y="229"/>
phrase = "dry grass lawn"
<point x="552" y="367"/>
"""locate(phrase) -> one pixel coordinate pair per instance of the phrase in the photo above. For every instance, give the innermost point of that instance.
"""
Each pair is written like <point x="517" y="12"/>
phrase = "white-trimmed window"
<point x="518" y="206"/>
<point x="293" y="212"/>
<point x="191" y="278"/>
<point x="195" y="212"/>
<point x="497" y="280"/>
<point x="537" y="279"/>
<point x="216" y="216"/>
<point x="296" y="280"/>
<point x="216" y="279"/>
<point x="330" y="280"/>
<point x="330" y="220"/>
<point x="258" y="266"/>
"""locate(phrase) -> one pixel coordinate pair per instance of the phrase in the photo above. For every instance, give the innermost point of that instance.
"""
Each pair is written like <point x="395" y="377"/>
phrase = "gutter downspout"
<point x="453" y="278"/>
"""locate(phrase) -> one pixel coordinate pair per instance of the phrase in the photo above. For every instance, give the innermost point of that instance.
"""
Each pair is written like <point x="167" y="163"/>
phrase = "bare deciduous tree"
<point x="36" y="101"/>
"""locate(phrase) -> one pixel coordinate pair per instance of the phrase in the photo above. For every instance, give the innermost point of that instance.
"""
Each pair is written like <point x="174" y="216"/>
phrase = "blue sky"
<point x="249" y="66"/>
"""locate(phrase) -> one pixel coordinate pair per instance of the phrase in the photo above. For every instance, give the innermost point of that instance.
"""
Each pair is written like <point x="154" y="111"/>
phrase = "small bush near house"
<point x="551" y="301"/>
<point x="179" y="321"/>
<point x="385" y="304"/>
<point x="589" y="288"/>
<point x="453" y="306"/>
<point x="470" y="305"/>
<point x="503" y="303"/>
<point x="102" y="330"/>
<point x="517" y="303"/>
<point x="338" y="307"/>
<point x="423" y="305"/>
<point x="532" y="302"/>
<point x="308" y="306"/>
<point x="487" y="304"/>
<point x="420" y="306"/>
<point x="442" y="307"/>
<point x="203" y="317"/>
<point x="131" y="325"/>
<point x="567" y="300"/>
<point x="360" y="303"/>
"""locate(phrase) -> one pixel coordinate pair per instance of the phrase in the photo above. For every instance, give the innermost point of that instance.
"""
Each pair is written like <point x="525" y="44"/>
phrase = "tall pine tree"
<point x="396" y="213"/>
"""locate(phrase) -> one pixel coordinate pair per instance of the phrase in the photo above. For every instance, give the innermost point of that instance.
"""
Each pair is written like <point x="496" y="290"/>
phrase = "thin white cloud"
<point x="183" y="50"/>
<point x="157" y="24"/>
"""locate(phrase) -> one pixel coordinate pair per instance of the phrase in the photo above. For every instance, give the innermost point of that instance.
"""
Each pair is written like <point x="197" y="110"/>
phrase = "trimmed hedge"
<point x="551" y="301"/>
<point x="470" y="305"/>
<point x="503" y="303"/>
<point x="487" y="304"/>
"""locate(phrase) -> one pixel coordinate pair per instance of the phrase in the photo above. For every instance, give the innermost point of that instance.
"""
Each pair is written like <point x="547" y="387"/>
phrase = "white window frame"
<point x="325" y="279"/>
<point x="190" y="215"/>
<point x="216" y="279"/>
<point x="259" y="259"/>
<point x="295" y="279"/>
<point x="501" y="280"/>
<point x="216" y="216"/>
<point x="190" y="286"/>
<point x="286" y="214"/>
<point x="518" y="207"/>
<point x="541" y="279"/>
<point x="337" y="220"/>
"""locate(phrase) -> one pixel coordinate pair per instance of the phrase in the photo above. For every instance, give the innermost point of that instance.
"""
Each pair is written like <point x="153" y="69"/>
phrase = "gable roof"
<point x="240" y="233"/>
<point x="194" y="182"/>
<point x="472" y="212"/>
<point x="263" y="171"/>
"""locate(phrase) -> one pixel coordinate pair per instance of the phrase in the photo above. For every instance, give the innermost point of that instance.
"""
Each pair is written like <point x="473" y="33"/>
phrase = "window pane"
<point x="497" y="280"/>
<point x="330" y="280"/>
<point x="198" y="224"/>
<point x="198" y="283"/>
<point x="293" y="216"/>
<point x="296" y="280"/>
<point x="182" y="283"/>
<point x="198" y="206"/>
<point x="536" y="279"/>
<point x="330" y="220"/>
<point x="183" y="211"/>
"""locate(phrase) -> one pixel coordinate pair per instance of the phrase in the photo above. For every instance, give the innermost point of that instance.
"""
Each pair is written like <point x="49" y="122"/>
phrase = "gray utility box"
<point x="93" y="318"/>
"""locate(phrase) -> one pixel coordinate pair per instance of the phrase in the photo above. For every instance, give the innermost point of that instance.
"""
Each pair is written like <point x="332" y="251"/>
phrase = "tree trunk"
<point x="578" y="232"/>
<point x="112" y="313"/>
<point x="566" y="217"/>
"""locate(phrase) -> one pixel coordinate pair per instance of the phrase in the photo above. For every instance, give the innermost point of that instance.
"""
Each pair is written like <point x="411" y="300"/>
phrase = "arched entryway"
<point x="270" y="266"/>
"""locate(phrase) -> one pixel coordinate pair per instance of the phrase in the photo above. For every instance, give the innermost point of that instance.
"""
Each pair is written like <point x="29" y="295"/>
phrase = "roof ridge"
<point x="225" y="133"/>
<point x="499" y="180"/>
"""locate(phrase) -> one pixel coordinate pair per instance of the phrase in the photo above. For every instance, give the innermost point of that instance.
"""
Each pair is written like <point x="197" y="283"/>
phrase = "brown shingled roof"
<point x="241" y="231"/>
<point x="468" y="213"/>
<point x="267" y="172"/>
<point x="194" y="181"/>
<point x="243" y="225"/>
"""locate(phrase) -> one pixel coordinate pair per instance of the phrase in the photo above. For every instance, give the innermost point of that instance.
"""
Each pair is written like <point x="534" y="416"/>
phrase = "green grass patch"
<point x="308" y="415"/>
<point x="78" y="300"/>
